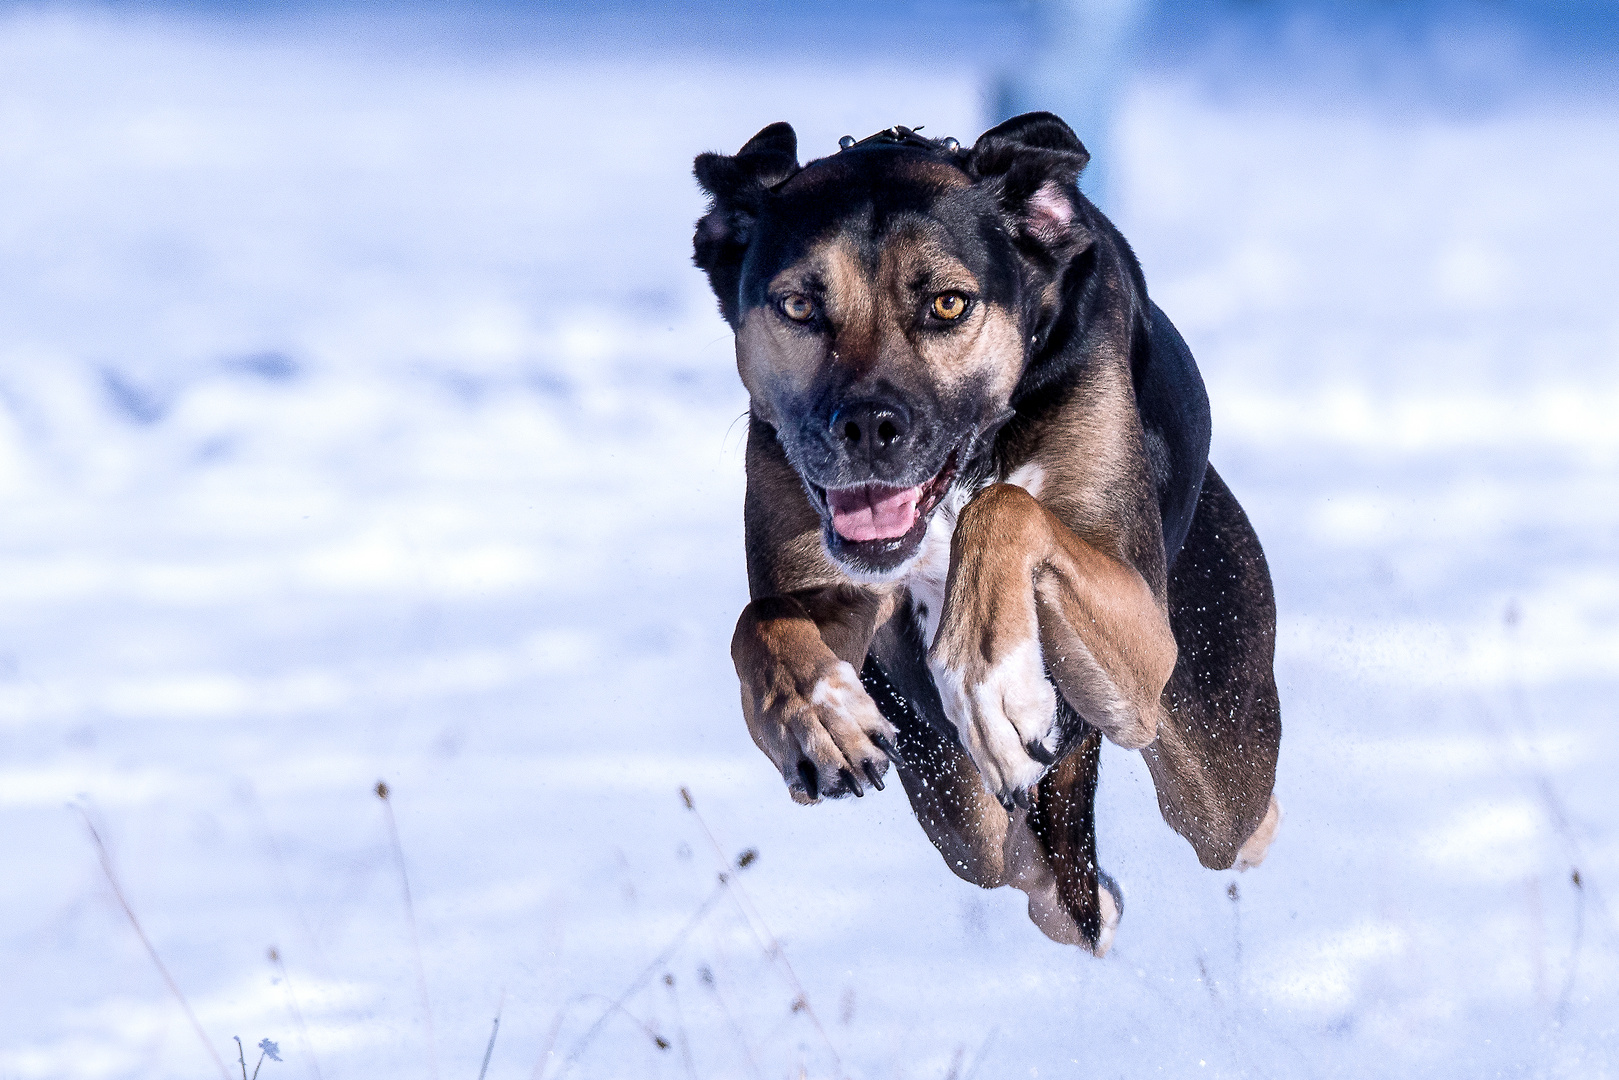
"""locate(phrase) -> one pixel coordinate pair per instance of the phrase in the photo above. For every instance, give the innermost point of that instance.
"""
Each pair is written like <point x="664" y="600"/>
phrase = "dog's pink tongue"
<point x="873" y="512"/>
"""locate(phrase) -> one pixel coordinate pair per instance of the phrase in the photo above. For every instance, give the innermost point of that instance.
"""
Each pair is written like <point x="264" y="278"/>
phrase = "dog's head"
<point x="886" y="300"/>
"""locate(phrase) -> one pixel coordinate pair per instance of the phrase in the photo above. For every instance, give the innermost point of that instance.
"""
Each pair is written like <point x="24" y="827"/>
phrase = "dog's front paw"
<point x="1006" y="715"/>
<point x="832" y="742"/>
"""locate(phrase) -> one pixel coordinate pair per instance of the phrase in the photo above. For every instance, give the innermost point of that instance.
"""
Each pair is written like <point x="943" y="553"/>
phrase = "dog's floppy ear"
<point x="738" y="187"/>
<point x="1035" y="161"/>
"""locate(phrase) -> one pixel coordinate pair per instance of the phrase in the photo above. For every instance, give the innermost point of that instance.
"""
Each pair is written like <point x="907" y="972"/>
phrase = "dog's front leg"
<point x="797" y="658"/>
<point x="1026" y="596"/>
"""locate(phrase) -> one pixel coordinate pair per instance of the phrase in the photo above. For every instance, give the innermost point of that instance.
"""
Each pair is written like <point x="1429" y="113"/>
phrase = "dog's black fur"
<point x="1078" y="294"/>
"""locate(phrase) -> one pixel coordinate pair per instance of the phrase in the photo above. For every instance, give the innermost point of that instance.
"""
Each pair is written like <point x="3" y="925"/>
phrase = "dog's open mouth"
<point x="874" y="511"/>
<point x="874" y="526"/>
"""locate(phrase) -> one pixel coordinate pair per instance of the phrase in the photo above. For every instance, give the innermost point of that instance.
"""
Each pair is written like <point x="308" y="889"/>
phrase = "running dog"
<point x="981" y="531"/>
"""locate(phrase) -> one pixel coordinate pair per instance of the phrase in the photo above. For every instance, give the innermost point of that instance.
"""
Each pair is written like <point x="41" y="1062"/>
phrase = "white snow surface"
<point x="361" y="418"/>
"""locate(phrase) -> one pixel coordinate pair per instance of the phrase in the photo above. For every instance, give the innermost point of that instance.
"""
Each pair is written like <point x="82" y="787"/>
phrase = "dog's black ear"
<point x="1035" y="161"/>
<point x="767" y="159"/>
<point x="737" y="186"/>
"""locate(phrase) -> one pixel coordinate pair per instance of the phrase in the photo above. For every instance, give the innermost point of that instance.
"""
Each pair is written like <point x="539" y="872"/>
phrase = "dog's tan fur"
<point x="873" y="312"/>
<point x="1056" y="567"/>
<point x="1020" y="577"/>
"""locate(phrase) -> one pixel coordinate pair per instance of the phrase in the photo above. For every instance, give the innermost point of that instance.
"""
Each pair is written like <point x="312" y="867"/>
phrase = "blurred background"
<point x="362" y="417"/>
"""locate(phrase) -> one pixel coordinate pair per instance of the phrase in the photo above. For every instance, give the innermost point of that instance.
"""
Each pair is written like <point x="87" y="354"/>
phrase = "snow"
<point x="362" y="418"/>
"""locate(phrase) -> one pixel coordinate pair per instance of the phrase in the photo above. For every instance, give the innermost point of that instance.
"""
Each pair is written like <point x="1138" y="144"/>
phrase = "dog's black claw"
<point x="806" y="776"/>
<point x="870" y="769"/>
<point x="1021" y="798"/>
<point x="852" y="783"/>
<point x="882" y="743"/>
<point x="1039" y="753"/>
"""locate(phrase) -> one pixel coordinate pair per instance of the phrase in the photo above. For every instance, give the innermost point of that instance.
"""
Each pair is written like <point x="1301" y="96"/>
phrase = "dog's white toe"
<point x="999" y="718"/>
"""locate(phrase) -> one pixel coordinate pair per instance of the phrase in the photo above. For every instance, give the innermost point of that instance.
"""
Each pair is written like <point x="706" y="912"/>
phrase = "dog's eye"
<point x="949" y="306"/>
<point x="798" y="307"/>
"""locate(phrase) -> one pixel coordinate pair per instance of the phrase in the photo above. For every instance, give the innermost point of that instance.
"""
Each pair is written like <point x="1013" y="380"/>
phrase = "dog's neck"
<point x="1091" y="310"/>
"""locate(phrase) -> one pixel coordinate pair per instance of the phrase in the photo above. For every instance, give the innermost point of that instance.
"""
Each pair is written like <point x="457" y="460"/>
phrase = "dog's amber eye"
<point x="949" y="306"/>
<point x="798" y="307"/>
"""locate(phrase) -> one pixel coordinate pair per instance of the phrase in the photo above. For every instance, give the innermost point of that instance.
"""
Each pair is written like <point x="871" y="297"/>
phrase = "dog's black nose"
<point x="871" y="429"/>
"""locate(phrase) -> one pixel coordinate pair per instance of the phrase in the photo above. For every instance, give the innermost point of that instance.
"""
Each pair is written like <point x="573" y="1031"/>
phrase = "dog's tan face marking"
<point x="914" y="317"/>
<point x="981" y="340"/>
<point x="781" y="358"/>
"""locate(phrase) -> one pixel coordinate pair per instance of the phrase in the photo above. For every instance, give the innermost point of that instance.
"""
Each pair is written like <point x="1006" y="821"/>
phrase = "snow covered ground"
<point x="361" y="418"/>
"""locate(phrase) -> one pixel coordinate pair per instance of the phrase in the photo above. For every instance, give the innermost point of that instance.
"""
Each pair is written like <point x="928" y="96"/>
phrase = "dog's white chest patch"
<point x="927" y="576"/>
<point x="932" y="567"/>
<point x="1030" y="476"/>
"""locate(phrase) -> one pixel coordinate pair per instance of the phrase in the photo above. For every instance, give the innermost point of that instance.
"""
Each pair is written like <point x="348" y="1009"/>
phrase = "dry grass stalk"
<point x="705" y="974"/>
<point x="489" y="1051"/>
<point x="658" y="963"/>
<point x="614" y="1007"/>
<point x="767" y="941"/>
<point x="297" y="1013"/>
<point x="151" y="951"/>
<point x="680" y="1027"/>
<point x="410" y="916"/>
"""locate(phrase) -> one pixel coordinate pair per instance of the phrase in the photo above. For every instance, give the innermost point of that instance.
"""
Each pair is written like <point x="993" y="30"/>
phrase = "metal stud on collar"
<point x="899" y="135"/>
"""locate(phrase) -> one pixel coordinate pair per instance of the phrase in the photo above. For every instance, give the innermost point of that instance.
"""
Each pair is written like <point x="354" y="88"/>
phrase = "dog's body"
<point x="981" y="532"/>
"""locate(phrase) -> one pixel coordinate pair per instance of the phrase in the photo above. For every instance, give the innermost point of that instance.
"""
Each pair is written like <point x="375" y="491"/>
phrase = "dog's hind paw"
<point x="1110" y="898"/>
<point x="1006" y="719"/>
<point x="1257" y="846"/>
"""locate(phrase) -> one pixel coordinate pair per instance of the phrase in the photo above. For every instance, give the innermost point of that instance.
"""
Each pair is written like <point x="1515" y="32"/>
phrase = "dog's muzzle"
<point x="874" y="528"/>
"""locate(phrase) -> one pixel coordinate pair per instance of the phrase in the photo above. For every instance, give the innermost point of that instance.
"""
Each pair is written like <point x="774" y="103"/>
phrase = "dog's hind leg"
<point x="1214" y="762"/>
<point x="1062" y="817"/>
<point x="947" y="794"/>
